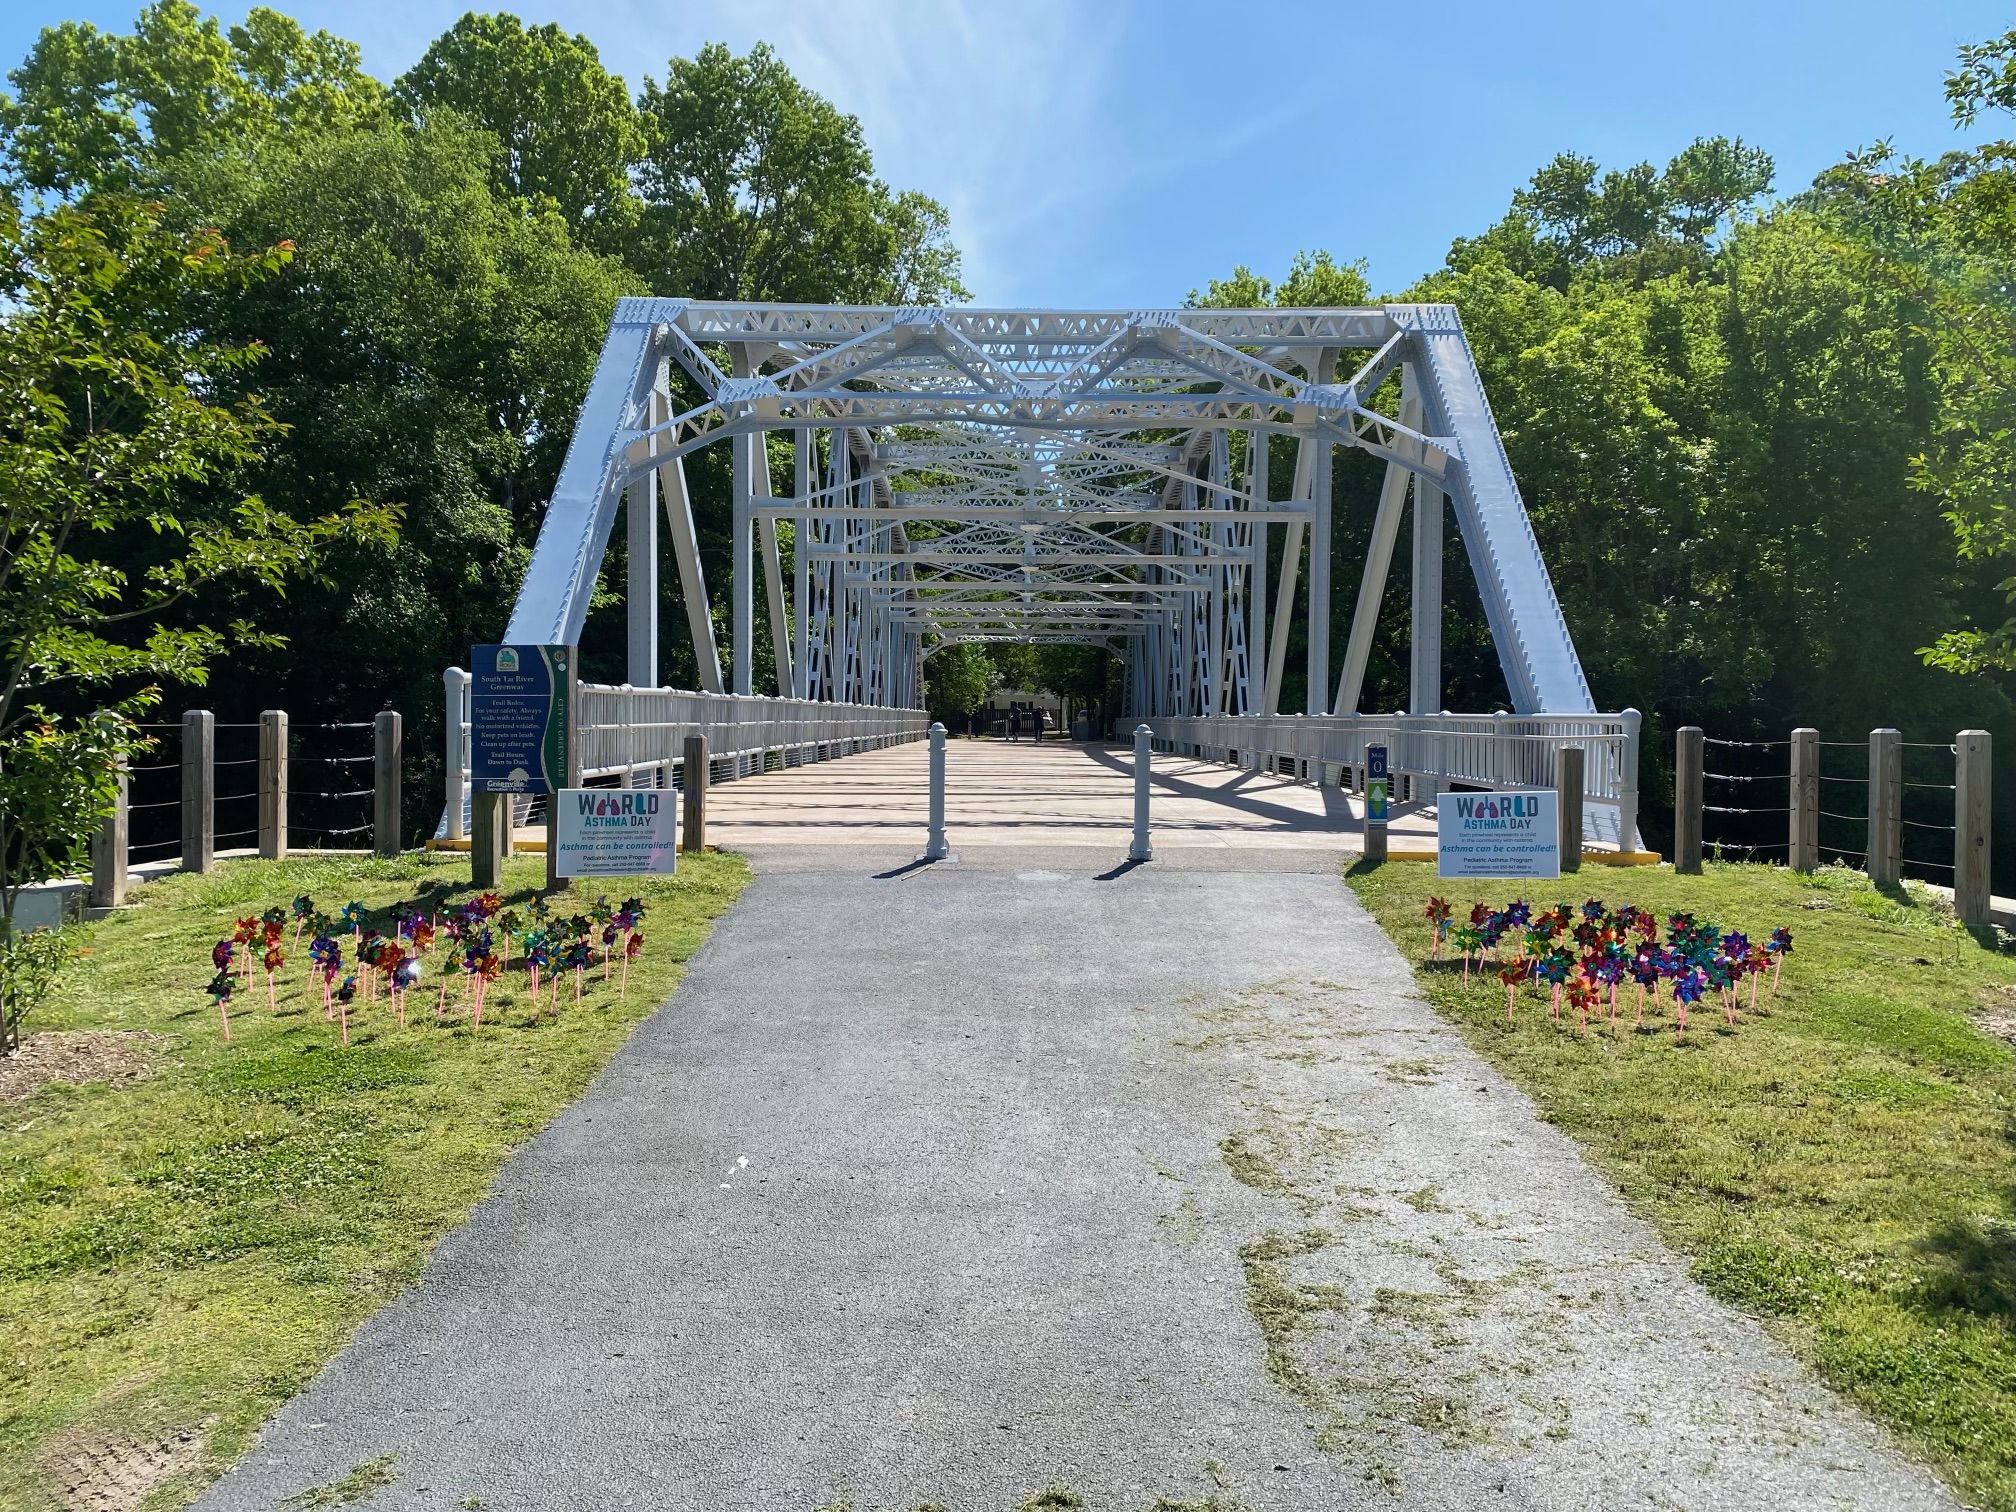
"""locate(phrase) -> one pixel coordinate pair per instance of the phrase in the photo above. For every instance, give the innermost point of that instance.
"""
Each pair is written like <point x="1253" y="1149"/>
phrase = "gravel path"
<point x="959" y="1184"/>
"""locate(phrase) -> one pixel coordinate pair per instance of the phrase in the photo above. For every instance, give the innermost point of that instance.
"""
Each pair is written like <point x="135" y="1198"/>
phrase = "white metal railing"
<point x="1478" y="750"/>
<point x="639" y="735"/>
<point x="633" y="730"/>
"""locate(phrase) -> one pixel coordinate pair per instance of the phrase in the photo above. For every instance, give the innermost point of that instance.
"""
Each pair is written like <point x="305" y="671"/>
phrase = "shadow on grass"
<point x="1980" y="1251"/>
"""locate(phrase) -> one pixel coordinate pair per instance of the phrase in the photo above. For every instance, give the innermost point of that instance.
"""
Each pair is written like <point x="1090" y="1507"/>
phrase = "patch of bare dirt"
<point x="76" y="1056"/>
<point x="117" y="1475"/>
<point x="1997" y="1013"/>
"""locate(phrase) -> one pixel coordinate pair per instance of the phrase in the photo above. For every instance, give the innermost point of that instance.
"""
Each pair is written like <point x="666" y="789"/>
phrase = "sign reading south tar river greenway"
<point x="615" y="832"/>
<point x="1498" y="834"/>
<point x="517" y="727"/>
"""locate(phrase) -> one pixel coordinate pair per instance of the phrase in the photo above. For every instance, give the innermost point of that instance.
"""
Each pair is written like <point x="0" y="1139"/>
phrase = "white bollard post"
<point x="1141" y="850"/>
<point x="935" y="848"/>
<point x="455" y="684"/>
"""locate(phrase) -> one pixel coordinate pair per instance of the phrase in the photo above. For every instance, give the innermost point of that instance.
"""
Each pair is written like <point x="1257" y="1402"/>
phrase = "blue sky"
<point x="1122" y="153"/>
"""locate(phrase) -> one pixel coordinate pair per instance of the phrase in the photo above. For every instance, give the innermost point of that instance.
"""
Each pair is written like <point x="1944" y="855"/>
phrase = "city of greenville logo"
<point x="1505" y="806"/>
<point x="616" y="805"/>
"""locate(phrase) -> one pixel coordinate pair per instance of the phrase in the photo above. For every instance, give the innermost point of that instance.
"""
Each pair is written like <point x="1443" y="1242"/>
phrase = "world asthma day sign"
<point x="1498" y="834"/>
<point x="615" y="832"/>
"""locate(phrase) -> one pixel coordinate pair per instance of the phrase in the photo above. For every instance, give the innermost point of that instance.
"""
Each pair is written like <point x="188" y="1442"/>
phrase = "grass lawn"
<point x="1839" y="1163"/>
<point x="180" y="1253"/>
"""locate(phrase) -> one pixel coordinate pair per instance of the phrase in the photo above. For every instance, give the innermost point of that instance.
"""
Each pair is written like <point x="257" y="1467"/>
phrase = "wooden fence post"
<point x="273" y="785"/>
<point x="1971" y="811"/>
<point x="199" y="791"/>
<point x="489" y="837"/>
<point x="1885" y="859"/>
<point x="1569" y="762"/>
<point x="693" y="793"/>
<point x="568" y="697"/>
<point x="1687" y="757"/>
<point x="385" y="753"/>
<point x="1803" y="837"/>
<point x="110" y="845"/>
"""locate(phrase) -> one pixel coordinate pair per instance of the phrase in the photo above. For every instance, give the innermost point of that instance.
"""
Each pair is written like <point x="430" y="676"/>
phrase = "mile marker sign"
<point x="1498" y="834"/>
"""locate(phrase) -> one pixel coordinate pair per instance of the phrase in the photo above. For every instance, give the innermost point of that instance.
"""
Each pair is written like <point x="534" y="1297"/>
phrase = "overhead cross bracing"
<point x="1083" y="476"/>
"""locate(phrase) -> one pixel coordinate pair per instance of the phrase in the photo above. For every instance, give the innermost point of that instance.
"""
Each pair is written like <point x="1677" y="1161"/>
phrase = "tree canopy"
<point x="458" y="242"/>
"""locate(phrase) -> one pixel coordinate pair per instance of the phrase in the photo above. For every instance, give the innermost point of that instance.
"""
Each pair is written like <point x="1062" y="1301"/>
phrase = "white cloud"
<point x="993" y="109"/>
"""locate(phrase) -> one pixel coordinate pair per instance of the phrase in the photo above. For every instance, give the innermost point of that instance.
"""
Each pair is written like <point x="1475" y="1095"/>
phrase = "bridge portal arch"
<point x="1045" y="475"/>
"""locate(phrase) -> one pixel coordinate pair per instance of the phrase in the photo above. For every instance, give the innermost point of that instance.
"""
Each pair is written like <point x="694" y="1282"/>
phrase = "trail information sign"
<point x="615" y="832"/>
<point x="518" y="725"/>
<point x="1376" y="789"/>
<point x="1498" y="834"/>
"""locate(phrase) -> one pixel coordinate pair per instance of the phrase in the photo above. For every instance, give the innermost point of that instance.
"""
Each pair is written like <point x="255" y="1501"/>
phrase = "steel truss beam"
<point x="1091" y="476"/>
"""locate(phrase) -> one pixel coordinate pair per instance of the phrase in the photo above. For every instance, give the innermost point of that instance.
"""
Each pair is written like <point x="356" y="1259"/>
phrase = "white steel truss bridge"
<point x="1092" y="477"/>
<point x="1085" y="476"/>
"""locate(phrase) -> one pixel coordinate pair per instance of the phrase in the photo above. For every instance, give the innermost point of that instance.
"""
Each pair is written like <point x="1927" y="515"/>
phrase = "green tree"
<point x="1636" y="222"/>
<point x="111" y="432"/>
<point x="565" y="129"/>
<point x="754" y="187"/>
<point x="96" y="110"/>
<point x="1314" y="279"/>
<point x="430" y="343"/>
<point x="958" y="679"/>
<point x="1940" y="236"/>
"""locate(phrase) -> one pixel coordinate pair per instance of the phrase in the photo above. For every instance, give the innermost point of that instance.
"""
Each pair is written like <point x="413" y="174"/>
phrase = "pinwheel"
<point x="368" y="945"/>
<point x="344" y="995"/>
<point x="1512" y="973"/>
<point x="537" y="956"/>
<point x="1778" y="947"/>
<point x="1605" y="968"/>
<point x="1582" y="991"/>
<point x="1687" y="988"/>
<point x="1552" y="968"/>
<point x="272" y="960"/>
<point x="404" y="974"/>
<point x="326" y="957"/>
<point x="450" y="967"/>
<point x="630" y="917"/>
<point x="421" y="934"/>
<point x="352" y="919"/>
<point x="1437" y="914"/>
<point x="579" y="957"/>
<point x="633" y="947"/>
<point x="1467" y="938"/>
<point x="304" y="910"/>
<point x="1720" y="973"/>
<point x="1645" y="970"/>
<point x="221" y="984"/>
<point x="1753" y="967"/>
<point x="509" y="927"/>
<point x="483" y="968"/>
<point x="1736" y="950"/>
<point x="245" y="932"/>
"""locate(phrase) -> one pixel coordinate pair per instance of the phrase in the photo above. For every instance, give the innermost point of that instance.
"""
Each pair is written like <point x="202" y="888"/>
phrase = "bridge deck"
<point x="1001" y="793"/>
